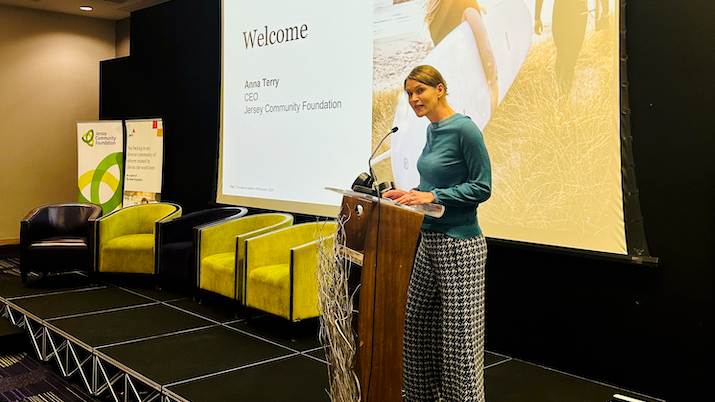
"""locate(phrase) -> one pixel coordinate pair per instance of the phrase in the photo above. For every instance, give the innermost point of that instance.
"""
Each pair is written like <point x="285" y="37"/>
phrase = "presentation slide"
<point x="297" y="102"/>
<point x="310" y="88"/>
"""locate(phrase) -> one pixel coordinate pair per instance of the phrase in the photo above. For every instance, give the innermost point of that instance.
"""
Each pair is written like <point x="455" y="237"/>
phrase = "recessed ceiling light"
<point x="86" y="8"/>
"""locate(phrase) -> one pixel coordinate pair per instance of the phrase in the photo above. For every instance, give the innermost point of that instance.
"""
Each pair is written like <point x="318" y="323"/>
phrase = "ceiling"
<point x="104" y="9"/>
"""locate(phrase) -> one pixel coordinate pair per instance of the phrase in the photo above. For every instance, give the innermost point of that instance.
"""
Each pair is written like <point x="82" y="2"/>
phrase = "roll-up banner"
<point x="145" y="156"/>
<point x="100" y="157"/>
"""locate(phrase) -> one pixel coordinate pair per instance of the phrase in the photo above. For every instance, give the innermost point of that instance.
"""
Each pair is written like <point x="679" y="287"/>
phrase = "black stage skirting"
<point x="151" y="345"/>
<point x="158" y="344"/>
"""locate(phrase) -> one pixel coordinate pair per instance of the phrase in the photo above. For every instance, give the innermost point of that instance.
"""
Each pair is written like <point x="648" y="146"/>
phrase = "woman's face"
<point x="423" y="98"/>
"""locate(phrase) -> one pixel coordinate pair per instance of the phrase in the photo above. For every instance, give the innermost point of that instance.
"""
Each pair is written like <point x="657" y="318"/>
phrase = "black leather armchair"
<point x="176" y="243"/>
<point x="58" y="238"/>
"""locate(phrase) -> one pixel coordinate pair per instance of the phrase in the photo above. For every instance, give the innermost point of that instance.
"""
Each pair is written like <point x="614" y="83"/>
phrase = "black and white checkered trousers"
<point x="443" y="355"/>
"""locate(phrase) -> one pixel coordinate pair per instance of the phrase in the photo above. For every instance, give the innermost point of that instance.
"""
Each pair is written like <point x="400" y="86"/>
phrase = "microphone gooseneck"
<point x="365" y="181"/>
<point x="378" y="146"/>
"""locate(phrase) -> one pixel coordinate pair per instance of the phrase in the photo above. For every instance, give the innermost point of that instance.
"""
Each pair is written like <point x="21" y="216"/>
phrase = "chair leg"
<point x="92" y="276"/>
<point x="293" y="325"/>
<point x="23" y="275"/>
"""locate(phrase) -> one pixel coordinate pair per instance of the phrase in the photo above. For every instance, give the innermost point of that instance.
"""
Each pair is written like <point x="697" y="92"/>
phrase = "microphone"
<point x="378" y="146"/>
<point x="365" y="181"/>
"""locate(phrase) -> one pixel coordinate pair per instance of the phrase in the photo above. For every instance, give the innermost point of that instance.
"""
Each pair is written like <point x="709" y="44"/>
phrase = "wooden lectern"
<point x="382" y="237"/>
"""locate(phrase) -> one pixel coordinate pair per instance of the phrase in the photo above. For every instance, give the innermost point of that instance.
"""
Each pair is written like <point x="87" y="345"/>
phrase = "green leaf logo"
<point x="101" y="176"/>
<point x="88" y="138"/>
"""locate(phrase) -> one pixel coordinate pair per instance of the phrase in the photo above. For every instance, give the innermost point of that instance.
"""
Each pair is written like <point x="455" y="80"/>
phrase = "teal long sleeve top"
<point x="455" y="167"/>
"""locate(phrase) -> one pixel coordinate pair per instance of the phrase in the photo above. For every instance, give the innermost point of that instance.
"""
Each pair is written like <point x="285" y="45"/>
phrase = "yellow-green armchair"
<point x="126" y="239"/>
<point x="222" y="250"/>
<point x="281" y="270"/>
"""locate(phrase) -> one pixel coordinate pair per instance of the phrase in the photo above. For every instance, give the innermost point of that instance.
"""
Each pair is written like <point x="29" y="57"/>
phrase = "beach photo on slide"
<point x="540" y="79"/>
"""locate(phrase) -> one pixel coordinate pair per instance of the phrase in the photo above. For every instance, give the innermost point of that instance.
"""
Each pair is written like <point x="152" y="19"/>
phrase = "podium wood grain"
<point x="387" y="237"/>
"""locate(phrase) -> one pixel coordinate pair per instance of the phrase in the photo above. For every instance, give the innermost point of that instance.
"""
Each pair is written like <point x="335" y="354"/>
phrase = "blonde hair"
<point x="427" y="75"/>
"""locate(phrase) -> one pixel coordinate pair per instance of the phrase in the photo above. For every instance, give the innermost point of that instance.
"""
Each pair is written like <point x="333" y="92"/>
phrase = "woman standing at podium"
<point x="443" y="356"/>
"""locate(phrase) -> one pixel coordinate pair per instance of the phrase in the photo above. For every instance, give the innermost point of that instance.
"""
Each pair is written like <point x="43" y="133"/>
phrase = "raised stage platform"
<point x="128" y="343"/>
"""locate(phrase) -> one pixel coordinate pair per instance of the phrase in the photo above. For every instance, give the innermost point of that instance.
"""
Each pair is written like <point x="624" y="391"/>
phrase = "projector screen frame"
<point x="637" y="251"/>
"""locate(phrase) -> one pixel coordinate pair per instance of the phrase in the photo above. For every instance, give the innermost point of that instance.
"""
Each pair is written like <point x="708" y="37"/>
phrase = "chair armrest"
<point x="218" y="237"/>
<point x="28" y="232"/>
<point x="267" y="249"/>
<point x="110" y="226"/>
<point x="135" y="220"/>
<point x="175" y="214"/>
<point x="241" y="239"/>
<point x="304" y="263"/>
<point x="229" y="235"/>
<point x="29" y="225"/>
<point x="272" y="247"/>
<point x="62" y="219"/>
<point x="32" y="214"/>
<point x="96" y="214"/>
<point x="175" y="230"/>
<point x="181" y="229"/>
<point x="304" y="277"/>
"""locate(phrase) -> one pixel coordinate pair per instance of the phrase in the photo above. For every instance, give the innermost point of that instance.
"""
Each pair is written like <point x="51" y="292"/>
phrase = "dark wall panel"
<point x="173" y="73"/>
<point x="645" y="329"/>
<point x="672" y="51"/>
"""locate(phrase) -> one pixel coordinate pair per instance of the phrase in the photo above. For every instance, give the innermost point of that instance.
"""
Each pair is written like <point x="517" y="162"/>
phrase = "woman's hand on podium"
<point x="393" y="194"/>
<point x="412" y="197"/>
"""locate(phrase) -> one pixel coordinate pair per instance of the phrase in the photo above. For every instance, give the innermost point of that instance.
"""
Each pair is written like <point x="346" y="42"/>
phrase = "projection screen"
<point x="310" y="87"/>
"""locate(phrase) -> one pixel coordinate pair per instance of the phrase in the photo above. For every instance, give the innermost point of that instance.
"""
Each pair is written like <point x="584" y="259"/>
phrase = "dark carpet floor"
<point x="22" y="378"/>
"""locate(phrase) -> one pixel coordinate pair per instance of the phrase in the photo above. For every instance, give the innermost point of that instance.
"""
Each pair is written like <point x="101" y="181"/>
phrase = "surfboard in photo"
<point x="457" y="58"/>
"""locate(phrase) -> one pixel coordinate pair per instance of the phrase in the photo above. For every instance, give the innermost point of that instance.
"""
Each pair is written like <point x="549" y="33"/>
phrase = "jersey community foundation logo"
<point x="88" y="138"/>
<point x="102" y="182"/>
